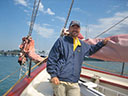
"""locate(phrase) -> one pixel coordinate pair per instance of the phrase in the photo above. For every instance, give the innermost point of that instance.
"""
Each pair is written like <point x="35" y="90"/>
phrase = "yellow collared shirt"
<point x="76" y="42"/>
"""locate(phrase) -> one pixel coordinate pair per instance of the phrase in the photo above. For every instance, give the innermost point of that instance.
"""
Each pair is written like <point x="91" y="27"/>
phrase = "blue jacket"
<point x="65" y="63"/>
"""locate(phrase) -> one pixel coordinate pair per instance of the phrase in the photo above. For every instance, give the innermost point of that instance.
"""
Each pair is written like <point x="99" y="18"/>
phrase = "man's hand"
<point x="64" y="32"/>
<point x="55" y="80"/>
<point x="105" y="41"/>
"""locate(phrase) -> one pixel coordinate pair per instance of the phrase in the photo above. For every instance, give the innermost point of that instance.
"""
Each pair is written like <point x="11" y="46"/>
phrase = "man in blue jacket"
<point x="65" y="61"/>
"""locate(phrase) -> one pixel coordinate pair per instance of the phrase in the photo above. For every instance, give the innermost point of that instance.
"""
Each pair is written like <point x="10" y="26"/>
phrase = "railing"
<point x="122" y="70"/>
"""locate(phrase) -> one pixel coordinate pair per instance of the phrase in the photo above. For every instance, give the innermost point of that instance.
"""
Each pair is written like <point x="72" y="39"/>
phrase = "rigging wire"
<point x="30" y="28"/>
<point x="33" y="17"/>
<point x="9" y="75"/>
<point x="111" y="27"/>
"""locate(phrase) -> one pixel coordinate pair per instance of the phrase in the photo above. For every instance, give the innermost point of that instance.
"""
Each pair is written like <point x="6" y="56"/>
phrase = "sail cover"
<point x="27" y="47"/>
<point x="115" y="50"/>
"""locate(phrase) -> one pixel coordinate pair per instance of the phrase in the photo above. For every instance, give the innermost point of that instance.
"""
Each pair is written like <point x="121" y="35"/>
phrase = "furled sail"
<point x="115" y="50"/>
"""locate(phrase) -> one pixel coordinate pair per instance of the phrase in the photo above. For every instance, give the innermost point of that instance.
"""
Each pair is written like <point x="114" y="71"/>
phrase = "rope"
<point x="103" y="69"/>
<point x="8" y="76"/>
<point x="112" y="27"/>
<point x="33" y="17"/>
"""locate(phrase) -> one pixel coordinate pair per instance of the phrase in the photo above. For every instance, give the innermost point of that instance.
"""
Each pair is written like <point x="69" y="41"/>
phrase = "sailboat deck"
<point x="107" y="77"/>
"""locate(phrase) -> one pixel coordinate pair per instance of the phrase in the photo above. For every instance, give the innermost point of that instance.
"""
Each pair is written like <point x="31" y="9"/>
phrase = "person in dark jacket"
<point x="65" y="61"/>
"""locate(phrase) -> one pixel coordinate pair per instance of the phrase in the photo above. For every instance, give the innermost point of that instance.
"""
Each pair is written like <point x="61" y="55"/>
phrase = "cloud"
<point x="113" y="9"/>
<point x="48" y="11"/>
<point x="77" y="9"/>
<point x="116" y="6"/>
<point x="43" y="31"/>
<point x="21" y="2"/>
<point x="81" y="11"/>
<point x="41" y="7"/>
<point x="105" y="23"/>
<point x="61" y="18"/>
<point x="26" y="11"/>
<point x="46" y="25"/>
<point x="109" y="11"/>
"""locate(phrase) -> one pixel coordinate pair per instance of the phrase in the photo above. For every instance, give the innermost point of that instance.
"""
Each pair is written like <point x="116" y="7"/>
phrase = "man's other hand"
<point x="55" y="80"/>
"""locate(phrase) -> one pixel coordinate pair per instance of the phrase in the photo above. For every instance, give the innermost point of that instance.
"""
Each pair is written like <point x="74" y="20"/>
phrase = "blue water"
<point x="9" y="65"/>
<point x="112" y="67"/>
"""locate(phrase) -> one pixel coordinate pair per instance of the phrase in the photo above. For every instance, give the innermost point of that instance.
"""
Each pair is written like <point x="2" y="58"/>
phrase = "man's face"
<point x="74" y="30"/>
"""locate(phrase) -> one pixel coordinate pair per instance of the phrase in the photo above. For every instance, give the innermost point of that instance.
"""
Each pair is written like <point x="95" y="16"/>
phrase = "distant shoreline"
<point x="9" y="53"/>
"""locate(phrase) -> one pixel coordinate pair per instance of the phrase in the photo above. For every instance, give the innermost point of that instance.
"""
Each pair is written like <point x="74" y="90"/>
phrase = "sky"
<point x="95" y="16"/>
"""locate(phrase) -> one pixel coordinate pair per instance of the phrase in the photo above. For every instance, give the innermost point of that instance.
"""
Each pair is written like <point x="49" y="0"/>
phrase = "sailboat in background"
<point x="37" y="83"/>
